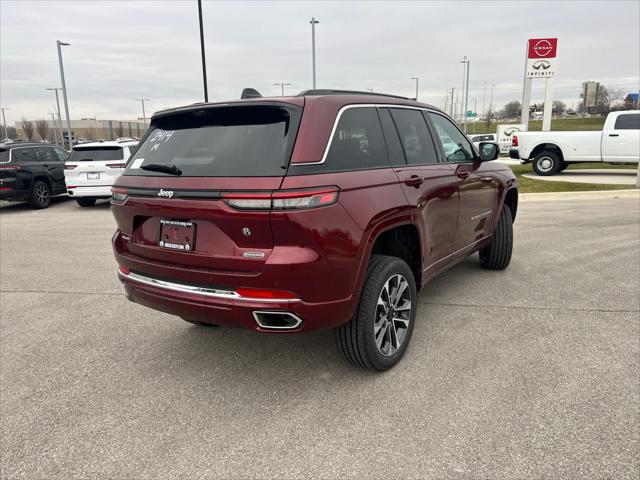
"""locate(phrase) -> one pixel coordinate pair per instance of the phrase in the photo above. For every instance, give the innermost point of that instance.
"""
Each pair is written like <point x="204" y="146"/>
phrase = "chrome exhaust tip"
<point x="277" y="320"/>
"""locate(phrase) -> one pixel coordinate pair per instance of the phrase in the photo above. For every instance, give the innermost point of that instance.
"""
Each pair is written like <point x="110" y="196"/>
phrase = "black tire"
<point x="40" y="195"/>
<point x="547" y="163"/>
<point x="86" y="201"/>
<point x="200" y="324"/>
<point x="563" y="167"/>
<point x="356" y="339"/>
<point x="497" y="255"/>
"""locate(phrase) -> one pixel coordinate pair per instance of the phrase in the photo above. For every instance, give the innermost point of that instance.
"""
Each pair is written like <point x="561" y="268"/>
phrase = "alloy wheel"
<point x="42" y="193"/>
<point x="393" y="314"/>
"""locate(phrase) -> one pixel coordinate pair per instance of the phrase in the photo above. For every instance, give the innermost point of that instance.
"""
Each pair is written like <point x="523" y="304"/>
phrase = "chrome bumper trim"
<point x="207" y="292"/>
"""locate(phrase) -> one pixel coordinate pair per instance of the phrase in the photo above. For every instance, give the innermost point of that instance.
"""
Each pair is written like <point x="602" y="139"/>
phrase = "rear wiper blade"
<point x="157" y="167"/>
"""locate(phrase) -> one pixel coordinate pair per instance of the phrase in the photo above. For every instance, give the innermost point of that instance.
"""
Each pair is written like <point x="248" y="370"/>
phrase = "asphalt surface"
<point x="533" y="372"/>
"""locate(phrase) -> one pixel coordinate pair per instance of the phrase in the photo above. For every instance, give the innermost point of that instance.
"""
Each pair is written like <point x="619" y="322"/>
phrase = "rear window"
<point x="240" y="141"/>
<point x="90" y="154"/>
<point x="629" y="121"/>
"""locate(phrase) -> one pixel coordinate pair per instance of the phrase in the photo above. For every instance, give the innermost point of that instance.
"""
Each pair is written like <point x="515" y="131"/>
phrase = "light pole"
<point x="204" y="64"/>
<point x="59" y="117"/>
<point x="144" y="115"/>
<point x="491" y="101"/>
<point x="417" y="79"/>
<point x="64" y="93"/>
<point x="313" y="23"/>
<point x="4" y="122"/>
<point x="484" y="97"/>
<point x="55" y="132"/>
<point x="283" y="85"/>
<point x="467" y="64"/>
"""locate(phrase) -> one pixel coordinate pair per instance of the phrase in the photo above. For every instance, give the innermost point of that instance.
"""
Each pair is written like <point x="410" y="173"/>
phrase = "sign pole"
<point x="548" y="105"/>
<point x="526" y="93"/>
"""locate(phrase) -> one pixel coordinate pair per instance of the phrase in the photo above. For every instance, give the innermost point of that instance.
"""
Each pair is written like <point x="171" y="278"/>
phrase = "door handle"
<point x="462" y="175"/>
<point x="486" y="180"/>
<point x="414" y="181"/>
<point x="614" y="134"/>
<point x="45" y="165"/>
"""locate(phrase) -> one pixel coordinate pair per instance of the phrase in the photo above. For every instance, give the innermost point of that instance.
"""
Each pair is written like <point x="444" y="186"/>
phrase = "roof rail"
<point x="347" y="92"/>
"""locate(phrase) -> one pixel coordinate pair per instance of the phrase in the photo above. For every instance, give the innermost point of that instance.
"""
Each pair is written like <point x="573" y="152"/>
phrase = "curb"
<point x="622" y="193"/>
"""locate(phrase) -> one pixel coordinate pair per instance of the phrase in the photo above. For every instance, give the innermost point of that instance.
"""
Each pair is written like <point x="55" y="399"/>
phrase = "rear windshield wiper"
<point x="157" y="167"/>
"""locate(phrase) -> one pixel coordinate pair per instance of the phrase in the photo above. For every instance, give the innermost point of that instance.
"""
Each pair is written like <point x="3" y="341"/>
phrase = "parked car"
<point x="484" y="137"/>
<point x="329" y="209"/>
<point x="92" y="168"/>
<point x="552" y="152"/>
<point x="31" y="172"/>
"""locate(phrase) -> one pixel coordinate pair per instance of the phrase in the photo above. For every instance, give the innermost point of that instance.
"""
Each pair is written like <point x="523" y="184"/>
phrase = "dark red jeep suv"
<point x="330" y="209"/>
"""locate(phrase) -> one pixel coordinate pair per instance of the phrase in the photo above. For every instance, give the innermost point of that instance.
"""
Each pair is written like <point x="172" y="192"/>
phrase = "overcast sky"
<point x="123" y="50"/>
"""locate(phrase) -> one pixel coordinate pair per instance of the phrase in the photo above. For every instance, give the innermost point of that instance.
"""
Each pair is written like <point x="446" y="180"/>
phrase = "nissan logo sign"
<point x="542" y="48"/>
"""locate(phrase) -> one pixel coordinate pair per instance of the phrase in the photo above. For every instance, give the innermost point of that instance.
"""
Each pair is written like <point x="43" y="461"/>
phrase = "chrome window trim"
<point x="15" y="148"/>
<point x="207" y="292"/>
<point x="344" y="109"/>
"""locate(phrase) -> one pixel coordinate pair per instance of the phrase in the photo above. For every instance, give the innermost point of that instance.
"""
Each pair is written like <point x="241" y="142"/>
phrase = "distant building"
<point x="90" y="129"/>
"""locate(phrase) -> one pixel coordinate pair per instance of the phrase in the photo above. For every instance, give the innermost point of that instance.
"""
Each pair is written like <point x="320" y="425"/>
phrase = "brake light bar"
<point x="9" y="167"/>
<point x="283" y="199"/>
<point x="116" y="165"/>
<point x="514" y="141"/>
<point x="70" y="166"/>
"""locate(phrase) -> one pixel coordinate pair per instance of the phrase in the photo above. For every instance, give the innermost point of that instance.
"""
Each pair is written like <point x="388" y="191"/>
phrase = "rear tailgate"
<point x="169" y="203"/>
<point x="90" y="166"/>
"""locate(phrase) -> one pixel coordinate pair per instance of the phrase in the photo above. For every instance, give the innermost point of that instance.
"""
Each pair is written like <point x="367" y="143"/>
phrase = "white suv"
<point x="92" y="168"/>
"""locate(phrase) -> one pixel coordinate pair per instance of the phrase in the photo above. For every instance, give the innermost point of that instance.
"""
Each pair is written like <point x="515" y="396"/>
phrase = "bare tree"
<point x="608" y="97"/>
<point x="512" y="109"/>
<point x="559" y="107"/>
<point x="27" y="128"/>
<point x="42" y="127"/>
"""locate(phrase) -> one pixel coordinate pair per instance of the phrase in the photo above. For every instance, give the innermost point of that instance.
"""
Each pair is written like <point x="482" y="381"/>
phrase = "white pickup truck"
<point x="552" y="152"/>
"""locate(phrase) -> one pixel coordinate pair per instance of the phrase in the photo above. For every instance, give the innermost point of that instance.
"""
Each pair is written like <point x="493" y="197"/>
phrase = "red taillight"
<point x="116" y="165"/>
<point x="283" y="199"/>
<point x="118" y="195"/>
<point x="69" y="187"/>
<point x="514" y="141"/>
<point x="265" y="294"/>
<point x="4" y="189"/>
<point x="9" y="167"/>
<point x="70" y="166"/>
<point x="124" y="270"/>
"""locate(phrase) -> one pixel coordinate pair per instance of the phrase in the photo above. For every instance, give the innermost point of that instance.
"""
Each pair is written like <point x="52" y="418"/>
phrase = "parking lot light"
<point x="64" y="92"/>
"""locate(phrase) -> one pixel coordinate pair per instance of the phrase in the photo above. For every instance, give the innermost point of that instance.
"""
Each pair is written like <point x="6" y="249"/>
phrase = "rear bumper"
<point x="225" y="308"/>
<point x="97" y="191"/>
<point x="514" y="153"/>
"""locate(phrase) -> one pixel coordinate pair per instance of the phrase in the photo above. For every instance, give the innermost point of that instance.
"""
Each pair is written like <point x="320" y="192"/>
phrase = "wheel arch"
<point x="398" y="237"/>
<point x="552" y="147"/>
<point x="511" y="201"/>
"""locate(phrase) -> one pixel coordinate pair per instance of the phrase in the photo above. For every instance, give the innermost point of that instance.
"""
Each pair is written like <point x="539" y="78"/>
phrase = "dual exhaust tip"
<point x="277" y="320"/>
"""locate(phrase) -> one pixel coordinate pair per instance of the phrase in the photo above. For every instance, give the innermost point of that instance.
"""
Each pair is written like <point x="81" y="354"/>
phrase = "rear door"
<point x="204" y="178"/>
<point x="95" y="165"/>
<point x="52" y="164"/>
<point x="622" y="144"/>
<point x="477" y="186"/>
<point x="27" y="165"/>
<point x="428" y="185"/>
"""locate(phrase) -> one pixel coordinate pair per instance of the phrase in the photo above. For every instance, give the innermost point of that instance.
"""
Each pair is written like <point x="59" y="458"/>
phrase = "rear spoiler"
<point x="250" y="93"/>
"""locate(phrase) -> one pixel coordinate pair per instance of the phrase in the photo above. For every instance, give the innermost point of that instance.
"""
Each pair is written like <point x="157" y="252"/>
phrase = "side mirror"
<point x="488" y="151"/>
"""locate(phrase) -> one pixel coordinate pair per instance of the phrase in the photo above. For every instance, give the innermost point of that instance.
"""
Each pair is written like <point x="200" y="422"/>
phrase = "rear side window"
<point x="396" y="154"/>
<point x="454" y="143"/>
<point x="62" y="155"/>
<point x="24" y="154"/>
<point x="47" y="154"/>
<point x="240" y="141"/>
<point x="414" y="135"/>
<point x="4" y="155"/>
<point x="358" y="142"/>
<point x="630" y="121"/>
<point x="90" y="154"/>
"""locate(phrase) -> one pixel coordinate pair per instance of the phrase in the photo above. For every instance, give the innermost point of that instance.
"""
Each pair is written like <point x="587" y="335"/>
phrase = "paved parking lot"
<point x="529" y="373"/>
